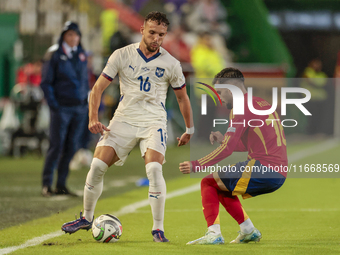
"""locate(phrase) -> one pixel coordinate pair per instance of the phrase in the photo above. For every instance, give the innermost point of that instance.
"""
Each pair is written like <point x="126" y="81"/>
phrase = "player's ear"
<point x="141" y="29"/>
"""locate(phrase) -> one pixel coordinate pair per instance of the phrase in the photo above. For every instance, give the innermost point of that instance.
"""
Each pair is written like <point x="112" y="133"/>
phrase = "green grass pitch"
<point x="302" y="217"/>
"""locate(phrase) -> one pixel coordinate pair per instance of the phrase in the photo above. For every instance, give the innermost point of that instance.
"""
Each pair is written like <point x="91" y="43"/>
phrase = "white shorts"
<point x="123" y="137"/>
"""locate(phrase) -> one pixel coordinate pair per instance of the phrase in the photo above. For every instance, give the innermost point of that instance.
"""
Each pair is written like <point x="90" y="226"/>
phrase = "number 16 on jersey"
<point x="144" y="85"/>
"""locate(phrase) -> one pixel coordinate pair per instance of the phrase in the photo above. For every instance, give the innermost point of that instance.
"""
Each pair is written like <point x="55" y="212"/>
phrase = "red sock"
<point x="210" y="201"/>
<point x="233" y="206"/>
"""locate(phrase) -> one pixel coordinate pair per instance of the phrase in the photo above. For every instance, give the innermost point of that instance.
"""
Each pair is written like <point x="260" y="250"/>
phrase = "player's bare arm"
<point x="95" y="97"/>
<point x="216" y="137"/>
<point x="185" y="108"/>
<point x="185" y="167"/>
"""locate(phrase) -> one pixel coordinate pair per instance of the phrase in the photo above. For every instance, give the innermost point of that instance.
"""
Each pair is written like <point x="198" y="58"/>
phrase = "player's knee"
<point x="154" y="173"/>
<point x="98" y="167"/>
<point x="207" y="181"/>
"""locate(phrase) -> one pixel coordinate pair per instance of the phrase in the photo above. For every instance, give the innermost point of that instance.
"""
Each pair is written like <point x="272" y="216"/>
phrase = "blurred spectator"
<point x="205" y="59"/>
<point x="65" y="85"/>
<point x="120" y="38"/>
<point x="35" y="76"/>
<point x="30" y="73"/>
<point x="207" y="62"/>
<point x="176" y="46"/>
<point x="28" y="104"/>
<point x="28" y="98"/>
<point x="315" y="81"/>
<point x="209" y="15"/>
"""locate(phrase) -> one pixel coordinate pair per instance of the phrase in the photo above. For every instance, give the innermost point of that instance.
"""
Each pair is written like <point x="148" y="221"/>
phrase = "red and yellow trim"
<point x="245" y="215"/>
<point x="242" y="184"/>
<point x="219" y="182"/>
<point x="217" y="220"/>
<point x="215" y="153"/>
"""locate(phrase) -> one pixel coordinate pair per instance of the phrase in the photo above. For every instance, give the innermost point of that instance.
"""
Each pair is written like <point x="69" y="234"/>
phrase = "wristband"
<point x="190" y="131"/>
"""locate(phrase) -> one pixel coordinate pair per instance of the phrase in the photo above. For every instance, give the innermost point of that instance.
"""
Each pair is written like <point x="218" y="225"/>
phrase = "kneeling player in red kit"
<point x="263" y="171"/>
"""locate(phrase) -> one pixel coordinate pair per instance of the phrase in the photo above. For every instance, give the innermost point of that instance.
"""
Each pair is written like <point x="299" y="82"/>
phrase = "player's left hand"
<point x="185" y="138"/>
<point x="216" y="137"/>
<point x="185" y="167"/>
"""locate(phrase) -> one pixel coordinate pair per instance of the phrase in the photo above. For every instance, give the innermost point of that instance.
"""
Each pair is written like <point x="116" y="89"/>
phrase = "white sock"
<point x="93" y="187"/>
<point x="157" y="193"/>
<point x="247" y="227"/>
<point x="215" y="228"/>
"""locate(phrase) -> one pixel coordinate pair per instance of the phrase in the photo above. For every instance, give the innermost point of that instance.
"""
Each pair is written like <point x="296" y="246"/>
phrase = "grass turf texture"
<point x="20" y="185"/>
<point x="300" y="218"/>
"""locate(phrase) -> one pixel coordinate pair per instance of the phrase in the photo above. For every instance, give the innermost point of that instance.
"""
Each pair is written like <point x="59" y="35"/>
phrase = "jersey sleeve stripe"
<point x="201" y="160"/>
<point x="215" y="153"/>
<point x="179" y="87"/>
<point x="106" y="76"/>
<point x="212" y="155"/>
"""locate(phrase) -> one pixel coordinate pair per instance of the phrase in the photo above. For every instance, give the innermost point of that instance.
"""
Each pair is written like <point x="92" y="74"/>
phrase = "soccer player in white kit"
<point x="145" y="72"/>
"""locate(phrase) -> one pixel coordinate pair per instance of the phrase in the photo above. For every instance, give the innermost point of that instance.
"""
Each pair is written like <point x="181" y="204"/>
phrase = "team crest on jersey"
<point x="63" y="57"/>
<point x="82" y="57"/>
<point x="159" y="72"/>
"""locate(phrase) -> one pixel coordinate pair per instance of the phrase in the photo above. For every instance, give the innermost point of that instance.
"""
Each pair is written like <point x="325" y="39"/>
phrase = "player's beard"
<point x="151" y="49"/>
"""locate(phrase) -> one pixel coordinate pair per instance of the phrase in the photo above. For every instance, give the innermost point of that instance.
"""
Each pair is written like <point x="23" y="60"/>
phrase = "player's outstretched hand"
<point x="185" y="138"/>
<point x="97" y="127"/>
<point x="216" y="137"/>
<point x="185" y="167"/>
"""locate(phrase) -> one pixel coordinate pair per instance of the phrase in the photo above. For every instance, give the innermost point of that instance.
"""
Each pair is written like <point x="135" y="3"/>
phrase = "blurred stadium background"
<point x="266" y="39"/>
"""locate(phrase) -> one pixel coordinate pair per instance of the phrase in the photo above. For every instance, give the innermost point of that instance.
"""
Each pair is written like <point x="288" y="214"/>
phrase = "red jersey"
<point x="261" y="135"/>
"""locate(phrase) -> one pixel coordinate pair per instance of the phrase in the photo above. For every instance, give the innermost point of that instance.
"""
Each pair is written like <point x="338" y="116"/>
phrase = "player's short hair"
<point x="229" y="75"/>
<point x="158" y="17"/>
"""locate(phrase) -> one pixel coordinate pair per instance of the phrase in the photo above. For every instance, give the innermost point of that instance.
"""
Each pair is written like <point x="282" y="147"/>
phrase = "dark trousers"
<point x="66" y="127"/>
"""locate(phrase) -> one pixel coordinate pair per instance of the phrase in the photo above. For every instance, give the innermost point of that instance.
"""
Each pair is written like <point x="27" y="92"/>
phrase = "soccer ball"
<point x="107" y="229"/>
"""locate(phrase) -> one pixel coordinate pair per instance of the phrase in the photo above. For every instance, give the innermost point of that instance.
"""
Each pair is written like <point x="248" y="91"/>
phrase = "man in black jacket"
<point x="65" y="85"/>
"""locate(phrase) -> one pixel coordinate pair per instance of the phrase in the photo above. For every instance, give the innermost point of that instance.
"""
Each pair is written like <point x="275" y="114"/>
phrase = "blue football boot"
<point x="158" y="236"/>
<point x="73" y="226"/>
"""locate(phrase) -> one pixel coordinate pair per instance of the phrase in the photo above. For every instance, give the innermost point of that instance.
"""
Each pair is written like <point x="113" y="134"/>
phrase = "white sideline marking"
<point x="133" y="207"/>
<point x="33" y="199"/>
<point x="125" y="210"/>
<point x="31" y="242"/>
<point x="326" y="145"/>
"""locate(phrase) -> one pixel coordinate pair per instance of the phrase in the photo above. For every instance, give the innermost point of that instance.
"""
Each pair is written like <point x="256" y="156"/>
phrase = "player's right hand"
<point x="97" y="127"/>
<point x="185" y="138"/>
<point x="216" y="137"/>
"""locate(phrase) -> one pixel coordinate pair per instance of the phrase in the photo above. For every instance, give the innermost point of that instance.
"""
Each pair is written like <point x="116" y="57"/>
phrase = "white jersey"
<point x="143" y="83"/>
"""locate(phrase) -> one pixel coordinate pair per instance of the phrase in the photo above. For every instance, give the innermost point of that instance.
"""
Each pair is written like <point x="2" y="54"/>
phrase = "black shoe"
<point x="46" y="191"/>
<point x="64" y="191"/>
